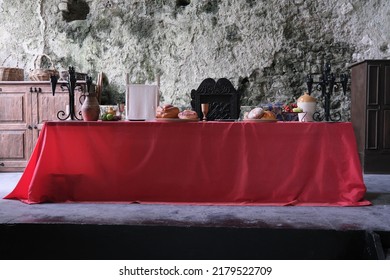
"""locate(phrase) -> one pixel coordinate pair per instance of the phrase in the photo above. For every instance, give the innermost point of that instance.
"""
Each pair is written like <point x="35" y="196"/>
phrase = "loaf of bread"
<point x="188" y="115"/>
<point x="167" y="111"/>
<point x="256" y="113"/>
<point x="268" y="115"/>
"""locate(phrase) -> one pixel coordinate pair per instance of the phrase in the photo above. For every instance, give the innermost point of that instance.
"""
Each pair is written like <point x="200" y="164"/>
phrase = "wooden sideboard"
<point x="370" y="113"/>
<point x="24" y="106"/>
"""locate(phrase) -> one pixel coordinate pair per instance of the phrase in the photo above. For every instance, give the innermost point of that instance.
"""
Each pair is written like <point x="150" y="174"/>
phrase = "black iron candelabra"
<point x="327" y="84"/>
<point x="70" y="86"/>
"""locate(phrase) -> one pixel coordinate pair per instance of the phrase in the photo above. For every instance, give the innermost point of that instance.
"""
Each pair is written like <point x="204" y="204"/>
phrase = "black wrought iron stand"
<point x="327" y="84"/>
<point x="70" y="86"/>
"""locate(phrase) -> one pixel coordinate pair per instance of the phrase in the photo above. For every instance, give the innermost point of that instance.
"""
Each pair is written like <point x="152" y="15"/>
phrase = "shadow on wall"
<point x="74" y="10"/>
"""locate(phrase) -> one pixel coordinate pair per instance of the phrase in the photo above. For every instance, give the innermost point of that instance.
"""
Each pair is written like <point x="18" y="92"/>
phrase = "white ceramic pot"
<point x="309" y="109"/>
<point x="308" y="105"/>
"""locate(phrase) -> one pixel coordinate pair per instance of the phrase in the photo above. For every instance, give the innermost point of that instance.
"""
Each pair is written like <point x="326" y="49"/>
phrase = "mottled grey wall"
<point x="265" y="48"/>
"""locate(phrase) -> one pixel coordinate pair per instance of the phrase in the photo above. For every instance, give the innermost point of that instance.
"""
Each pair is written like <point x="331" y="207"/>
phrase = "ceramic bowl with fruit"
<point x="109" y="113"/>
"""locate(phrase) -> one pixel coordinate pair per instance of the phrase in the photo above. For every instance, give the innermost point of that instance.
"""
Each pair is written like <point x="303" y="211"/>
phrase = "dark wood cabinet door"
<point x="370" y="114"/>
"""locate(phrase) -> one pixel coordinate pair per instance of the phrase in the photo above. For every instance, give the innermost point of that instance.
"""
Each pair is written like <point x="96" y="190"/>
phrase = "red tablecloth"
<point x="240" y="163"/>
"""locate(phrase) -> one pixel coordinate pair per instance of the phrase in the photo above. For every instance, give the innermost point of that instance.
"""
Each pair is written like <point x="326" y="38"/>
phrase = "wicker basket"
<point x="11" y="73"/>
<point x="41" y="74"/>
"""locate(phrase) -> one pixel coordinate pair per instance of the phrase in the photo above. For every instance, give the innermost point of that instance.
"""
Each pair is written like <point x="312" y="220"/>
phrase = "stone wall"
<point x="266" y="48"/>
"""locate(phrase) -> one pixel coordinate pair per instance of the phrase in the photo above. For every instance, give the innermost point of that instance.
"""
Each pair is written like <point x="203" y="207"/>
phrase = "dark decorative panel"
<point x="386" y="94"/>
<point x="386" y="129"/>
<point x="372" y="130"/>
<point x="222" y="97"/>
<point x="373" y="85"/>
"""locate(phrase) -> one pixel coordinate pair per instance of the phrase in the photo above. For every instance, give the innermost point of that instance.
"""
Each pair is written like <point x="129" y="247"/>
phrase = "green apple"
<point x="104" y="117"/>
<point x="297" y="110"/>
<point x="110" y="117"/>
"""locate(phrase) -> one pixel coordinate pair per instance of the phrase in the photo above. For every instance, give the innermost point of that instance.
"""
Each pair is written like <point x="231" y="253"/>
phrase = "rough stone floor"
<point x="140" y="231"/>
<point x="369" y="218"/>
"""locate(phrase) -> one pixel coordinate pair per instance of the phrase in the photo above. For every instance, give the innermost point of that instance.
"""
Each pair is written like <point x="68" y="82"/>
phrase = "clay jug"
<point x="90" y="110"/>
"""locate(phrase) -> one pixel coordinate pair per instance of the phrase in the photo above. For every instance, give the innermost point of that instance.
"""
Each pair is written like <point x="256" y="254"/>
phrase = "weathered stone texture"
<point x="266" y="48"/>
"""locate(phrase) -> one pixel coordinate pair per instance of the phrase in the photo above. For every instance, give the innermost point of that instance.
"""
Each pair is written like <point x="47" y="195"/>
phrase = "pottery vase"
<point x="90" y="110"/>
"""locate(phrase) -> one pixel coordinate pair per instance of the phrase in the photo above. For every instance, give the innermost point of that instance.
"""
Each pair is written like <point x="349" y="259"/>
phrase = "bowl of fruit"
<point x="290" y="112"/>
<point x="109" y="114"/>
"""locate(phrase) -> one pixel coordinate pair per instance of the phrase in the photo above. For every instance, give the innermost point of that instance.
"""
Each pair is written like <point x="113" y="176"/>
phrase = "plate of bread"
<point x="170" y="113"/>
<point x="260" y="115"/>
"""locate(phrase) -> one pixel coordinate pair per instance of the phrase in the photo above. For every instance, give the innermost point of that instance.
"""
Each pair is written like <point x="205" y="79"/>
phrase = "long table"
<point x="214" y="163"/>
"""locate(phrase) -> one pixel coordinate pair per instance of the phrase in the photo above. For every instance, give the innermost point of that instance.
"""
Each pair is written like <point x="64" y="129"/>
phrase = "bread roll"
<point x="188" y="115"/>
<point x="256" y="113"/>
<point x="167" y="111"/>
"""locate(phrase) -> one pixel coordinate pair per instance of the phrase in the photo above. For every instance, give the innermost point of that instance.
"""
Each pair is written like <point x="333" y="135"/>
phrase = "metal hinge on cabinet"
<point x="31" y="127"/>
<point x="35" y="89"/>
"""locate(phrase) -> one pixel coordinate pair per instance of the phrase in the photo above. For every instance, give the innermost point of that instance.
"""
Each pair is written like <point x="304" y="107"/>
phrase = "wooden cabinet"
<point x="370" y="113"/>
<point x="24" y="106"/>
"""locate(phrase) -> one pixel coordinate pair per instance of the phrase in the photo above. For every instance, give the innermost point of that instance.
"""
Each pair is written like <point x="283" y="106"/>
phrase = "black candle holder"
<point x="70" y="86"/>
<point x="327" y="84"/>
